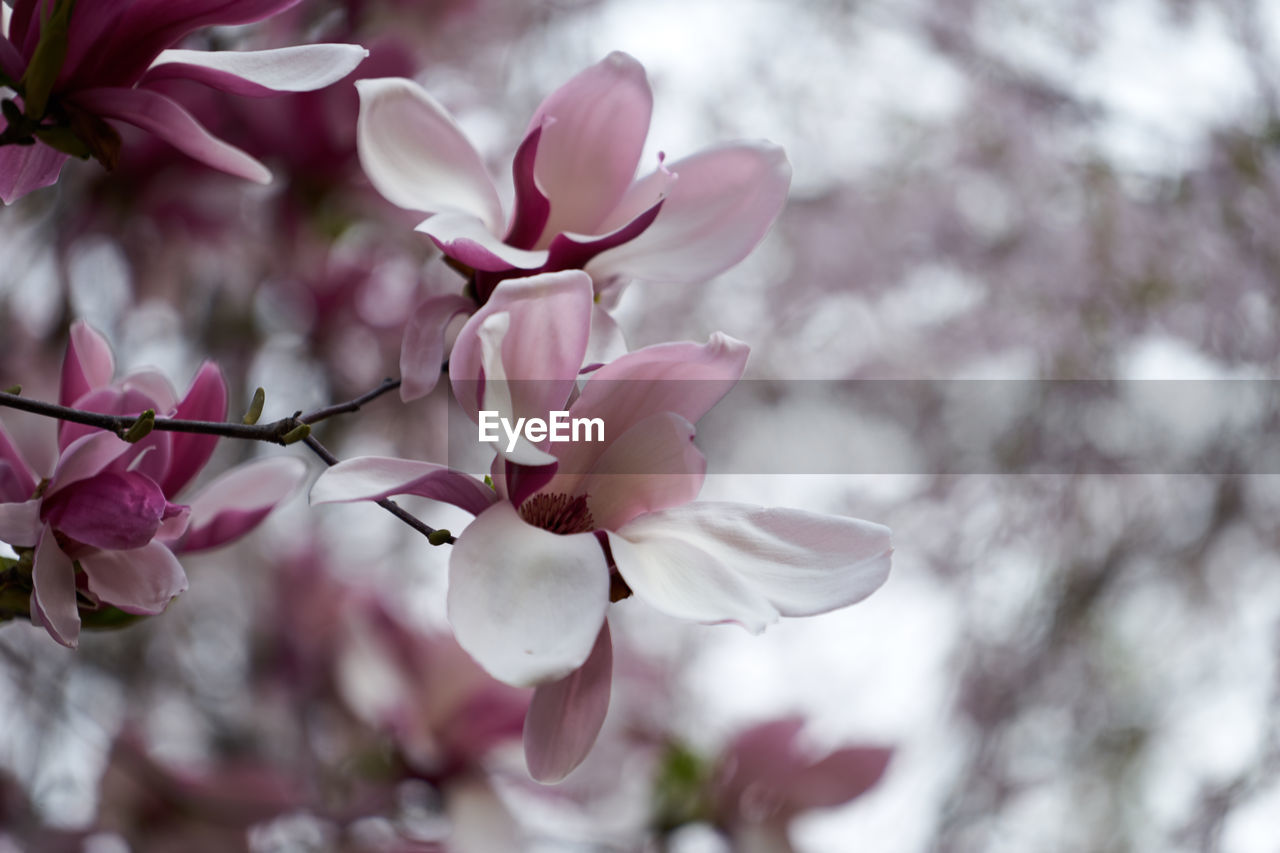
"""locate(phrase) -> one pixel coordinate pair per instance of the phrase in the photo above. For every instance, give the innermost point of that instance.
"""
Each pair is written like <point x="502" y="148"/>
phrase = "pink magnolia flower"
<point x="578" y="204"/>
<point x="766" y="778"/>
<point x="531" y="578"/>
<point x="115" y="53"/>
<point x="102" y="526"/>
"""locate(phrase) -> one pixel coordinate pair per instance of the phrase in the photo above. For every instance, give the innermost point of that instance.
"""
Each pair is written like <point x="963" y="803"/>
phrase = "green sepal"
<point x="46" y="63"/>
<point x="107" y="618"/>
<point x="255" y="407"/>
<point x="65" y="140"/>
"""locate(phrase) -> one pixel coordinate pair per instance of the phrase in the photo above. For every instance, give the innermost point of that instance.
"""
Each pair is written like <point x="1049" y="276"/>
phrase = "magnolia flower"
<point x="103" y="525"/>
<point x="531" y="578"/>
<point x="577" y="202"/>
<point x="77" y="63"/>
<point x="765" y="779"/>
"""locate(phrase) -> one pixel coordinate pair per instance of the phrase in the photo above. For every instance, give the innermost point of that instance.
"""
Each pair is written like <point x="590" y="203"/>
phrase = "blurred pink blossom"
<point x="102" y="525"/>
<point x="115" y="53"/>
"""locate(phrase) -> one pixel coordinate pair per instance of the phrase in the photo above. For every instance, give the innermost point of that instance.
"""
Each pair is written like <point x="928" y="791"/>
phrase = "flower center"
<point x="558" y="513"/>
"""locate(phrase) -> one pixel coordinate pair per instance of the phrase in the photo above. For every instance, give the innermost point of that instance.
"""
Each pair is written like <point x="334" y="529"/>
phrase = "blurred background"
<point x="998" y="190"/>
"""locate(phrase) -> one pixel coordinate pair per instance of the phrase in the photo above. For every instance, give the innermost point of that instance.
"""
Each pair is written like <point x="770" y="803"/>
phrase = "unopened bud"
<point x="298" y="433"/>
<point x="255" y="407"/>
<point x="15" y="390"/>
<point x="141" y="427"/>
<point x="439" y="537"/>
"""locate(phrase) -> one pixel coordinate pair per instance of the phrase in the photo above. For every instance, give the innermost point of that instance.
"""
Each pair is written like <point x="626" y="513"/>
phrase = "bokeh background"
<point x="1070" y="660"/>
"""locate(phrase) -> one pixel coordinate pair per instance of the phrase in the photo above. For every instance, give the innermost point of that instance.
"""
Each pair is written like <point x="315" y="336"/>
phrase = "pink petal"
<point x="371" y="478"/>
<point x="607" y="341"/>
<point x="238" y="501"/>
<point x="111" y="400"/>
<point x="141" y="581"/>
<point x="54" y="591"/>
<point x="422" y="350"/>
<point x="206" y="400"/>
<point x="593" y="129"/>
<point x="20" y="523"/>
<point x="541" y="350"/>
<point x="527" y="604"/>
<point x="840" y="777"/>
<point x="17" y="483"/>
<point x="686" y="379"/>
<point x="532" y="208"/>
<point x="26" y="168"/>
<point x="155" y="386"/>
<point x="715" y="562"/>
<point x="11" y="61"/>
<point x="575" y="251"/>
<point x="87" y="364"/>
<point x="465" y="238"/>
<point x="565" y="717"/>
<point x="163" y="118"/>
<point x="653" y="466"/>
<point x="258" y="73"/>
<point x="85" y="457"/>
<point x="416" y="155"/>
<point x="721" y="205"/>
<point x="117" y="511"/>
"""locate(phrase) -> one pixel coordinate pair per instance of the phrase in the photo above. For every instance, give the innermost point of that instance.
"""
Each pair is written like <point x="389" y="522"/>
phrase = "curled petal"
<point x="465" y="238"/>
<point x="593" y="129"/>
<point x="162" y="117"/>
<point x="206" y="400"/>
<point x="839" y="778"/>
<point x="565" y="716"/>
<point x="527" y="604"/>
<point x="26" y="168"/>
<point x="87" y="364"/>
<point x="118" y="511"/>
<point x="236" y="502"/>
<point x="301" y="68"/>
<point x="716" y="562"/>
<point x="606" y="341"/>
<point x="540" y="351"/>
<point x="416" y="155"/>
<point x="53" y="594"/>
<point x="372" y="478"/>
<point x="715" y="213"/>
<point x="85" y="457"/>
<point x="142" y="581"/>
<point x="422" y="350"/>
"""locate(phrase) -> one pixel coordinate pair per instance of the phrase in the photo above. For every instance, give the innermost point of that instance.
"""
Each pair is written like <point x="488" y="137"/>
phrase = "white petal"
<point x="525" y="603"/>
<point x="735" y="562"/>
<point x="417" y="156"/>
<point x="302" y="68"/>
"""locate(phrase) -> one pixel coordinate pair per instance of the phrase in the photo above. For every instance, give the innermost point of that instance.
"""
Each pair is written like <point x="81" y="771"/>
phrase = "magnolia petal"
<point x="85" y="457"/>
<point x="527" y="604"/>
<point x="682" y="580"/>
<point x="141" y="581"/>
<point x="87" y="363"/>
<point x="565" y="716"/>
<point x="16" y="480"/>
<point x="593" y="130"/>
<point x="206" y="400"/>
<point x="422" y="349"/>
<point x="653" y="466"/>
<point x="797" y="562"/>
<point x="467" y="239"/>
<point x="11" y="62"/>
<point x="531" y="207"/>
<point x="541" y="350"/>
<point x="238" y="501"/>
<point x="497" y="394"/>
<point x="721" y="206"/>
<point x="302" y="68"/>
<point x="372" y="478"/>
<point x="840" y="777"/>
<point x="163" y="118"/>
<point x="110" y="400"/>
<point x="53" y="593"/>
<point x="415" y="154"/>
<point x="20" y="523"/>
<point x="26" y="168"/>
<point x="155" y="386"/>
<point x="606" y="341"/>
<point x="684" y="378"/>
<point x="113" y="510"/>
